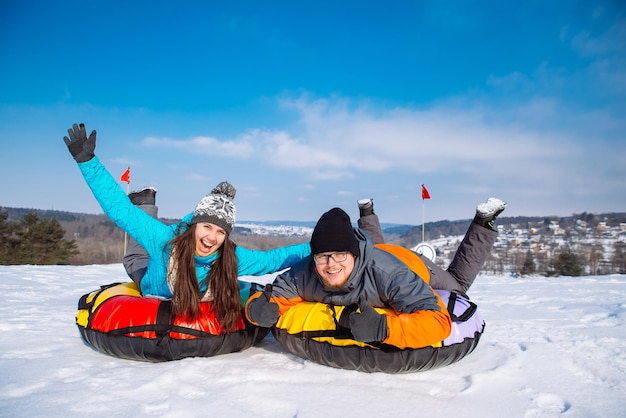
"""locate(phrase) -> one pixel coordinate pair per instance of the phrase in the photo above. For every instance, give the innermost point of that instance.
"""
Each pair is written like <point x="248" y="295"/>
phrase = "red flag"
<point x="425" y="194"/>
<point x="126" y="176"/>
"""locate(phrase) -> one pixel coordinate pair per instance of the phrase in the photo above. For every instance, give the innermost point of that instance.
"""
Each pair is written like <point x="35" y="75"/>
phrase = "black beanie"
<point x="334" y="232"/>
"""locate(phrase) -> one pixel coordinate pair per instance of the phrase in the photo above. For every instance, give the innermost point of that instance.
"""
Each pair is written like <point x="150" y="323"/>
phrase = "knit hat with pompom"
<point x="217" y="207"/>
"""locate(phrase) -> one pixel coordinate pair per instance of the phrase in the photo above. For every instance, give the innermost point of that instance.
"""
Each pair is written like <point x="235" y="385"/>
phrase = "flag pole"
<point x="425" y="195"/>
<point x="423" y="211"/>
<point x="126" y="178"/>
<point x="424" y="248"/>
<point x="126" y="233"/>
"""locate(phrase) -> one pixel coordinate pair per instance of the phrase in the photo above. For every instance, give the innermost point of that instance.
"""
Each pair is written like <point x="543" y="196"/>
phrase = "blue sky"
<point x="303" y="106"/>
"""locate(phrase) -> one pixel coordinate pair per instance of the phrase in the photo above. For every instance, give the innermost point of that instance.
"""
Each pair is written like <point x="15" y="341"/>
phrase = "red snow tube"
<point x="118" y="321"/>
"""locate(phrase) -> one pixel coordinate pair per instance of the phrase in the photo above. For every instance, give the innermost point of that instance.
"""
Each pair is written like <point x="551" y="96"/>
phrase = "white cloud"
<point x="205" y="145"/>
<point x="337" y="138"/>
<point x="608" y="42"/>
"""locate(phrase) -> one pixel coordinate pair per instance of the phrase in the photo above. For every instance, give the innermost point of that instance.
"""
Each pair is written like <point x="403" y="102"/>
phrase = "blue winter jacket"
<point x="153" y="235"/>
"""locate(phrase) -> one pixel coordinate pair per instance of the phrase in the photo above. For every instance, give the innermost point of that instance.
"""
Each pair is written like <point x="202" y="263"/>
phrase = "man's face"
<point x="334" y="267"/>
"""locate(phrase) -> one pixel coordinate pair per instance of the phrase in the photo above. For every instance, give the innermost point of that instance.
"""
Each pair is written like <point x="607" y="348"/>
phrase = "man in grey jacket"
<point x="346" y="268"/>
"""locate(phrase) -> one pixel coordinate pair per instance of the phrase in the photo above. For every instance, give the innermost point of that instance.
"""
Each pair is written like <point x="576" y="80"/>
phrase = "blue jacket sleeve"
<point x="257" y="263"/>
<point x="149" y="232"/>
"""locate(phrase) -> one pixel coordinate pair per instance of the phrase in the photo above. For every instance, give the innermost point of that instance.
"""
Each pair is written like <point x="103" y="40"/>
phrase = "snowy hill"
<point x="552" y="347"/>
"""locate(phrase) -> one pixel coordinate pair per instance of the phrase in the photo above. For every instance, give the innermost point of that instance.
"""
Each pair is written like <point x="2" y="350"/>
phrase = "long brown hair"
<point x="222" y="280"/>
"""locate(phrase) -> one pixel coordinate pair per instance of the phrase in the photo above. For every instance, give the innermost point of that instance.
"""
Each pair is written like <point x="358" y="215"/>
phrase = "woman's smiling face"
<point x="209" y="238"/>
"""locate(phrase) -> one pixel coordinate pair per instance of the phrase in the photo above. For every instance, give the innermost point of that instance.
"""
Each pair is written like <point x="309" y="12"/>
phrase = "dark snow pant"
<point x="136" y="258"/>
<point x="469" y="259"/>
<point x="371" y="225"/>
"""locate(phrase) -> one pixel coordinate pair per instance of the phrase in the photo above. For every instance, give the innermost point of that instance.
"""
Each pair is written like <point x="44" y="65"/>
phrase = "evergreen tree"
<point x="40" y="241"/>
<point x="567" y="264"/>
<point x="6" y="237"/>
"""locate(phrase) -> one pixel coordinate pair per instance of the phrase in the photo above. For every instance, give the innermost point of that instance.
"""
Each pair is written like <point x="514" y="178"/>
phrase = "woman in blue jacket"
<point x="191" y="261"/>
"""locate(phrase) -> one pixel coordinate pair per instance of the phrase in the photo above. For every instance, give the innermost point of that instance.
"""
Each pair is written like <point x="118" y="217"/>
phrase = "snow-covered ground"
<point x="552" y="347"/>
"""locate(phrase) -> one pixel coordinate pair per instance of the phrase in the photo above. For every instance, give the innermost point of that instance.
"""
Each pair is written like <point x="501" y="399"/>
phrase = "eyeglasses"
<point x="337" y="257"/>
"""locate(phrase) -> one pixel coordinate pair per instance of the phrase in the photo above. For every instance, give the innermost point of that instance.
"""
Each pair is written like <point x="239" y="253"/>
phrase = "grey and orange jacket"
<point x="382" y="280"/>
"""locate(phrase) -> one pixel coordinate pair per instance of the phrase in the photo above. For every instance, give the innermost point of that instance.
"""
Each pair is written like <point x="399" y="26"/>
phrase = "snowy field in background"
<point x="552" y="347"/>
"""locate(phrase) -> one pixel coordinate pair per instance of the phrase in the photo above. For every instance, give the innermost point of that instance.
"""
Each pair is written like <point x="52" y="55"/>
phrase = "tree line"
<point x="38" y="237"/>
<point x="54" y="237"/>
<point x="34" y="240"/>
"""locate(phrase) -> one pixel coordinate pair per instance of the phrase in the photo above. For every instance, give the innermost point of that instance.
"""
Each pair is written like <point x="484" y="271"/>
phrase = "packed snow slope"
<point x="552" y="347"/>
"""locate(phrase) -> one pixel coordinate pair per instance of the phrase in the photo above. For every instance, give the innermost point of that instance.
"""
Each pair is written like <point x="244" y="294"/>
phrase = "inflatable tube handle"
<point x="164" y="321"/>
<point x="469" y="312"/>
<point x="82" y="302"/>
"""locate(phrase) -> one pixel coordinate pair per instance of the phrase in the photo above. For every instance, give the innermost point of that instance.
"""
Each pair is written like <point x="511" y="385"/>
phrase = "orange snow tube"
<point x="320" y="333"/>
<point x="408" y="257"/>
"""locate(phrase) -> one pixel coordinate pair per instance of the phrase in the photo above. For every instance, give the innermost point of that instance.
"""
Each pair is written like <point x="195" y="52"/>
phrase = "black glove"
<point x="369" y="325"/>
<point x="262" y="311"/>
<point x="81" y="147"/>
